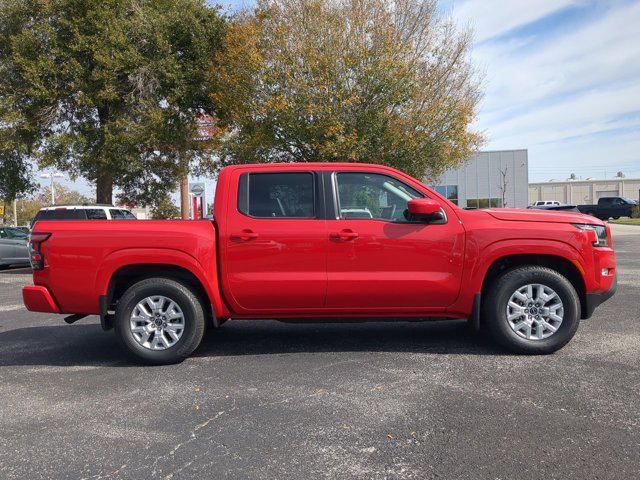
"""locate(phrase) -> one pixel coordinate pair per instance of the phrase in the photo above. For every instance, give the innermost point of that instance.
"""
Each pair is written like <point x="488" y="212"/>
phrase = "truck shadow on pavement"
<point x="88" y="345"/>
<point x="16" y="271"/>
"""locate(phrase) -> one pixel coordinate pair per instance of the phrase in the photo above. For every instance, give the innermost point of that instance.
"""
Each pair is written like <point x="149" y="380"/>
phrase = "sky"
<point x="561" y="79"/>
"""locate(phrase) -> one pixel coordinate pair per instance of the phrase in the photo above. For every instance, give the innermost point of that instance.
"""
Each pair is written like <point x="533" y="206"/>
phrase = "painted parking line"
<point x="11" y="308"/>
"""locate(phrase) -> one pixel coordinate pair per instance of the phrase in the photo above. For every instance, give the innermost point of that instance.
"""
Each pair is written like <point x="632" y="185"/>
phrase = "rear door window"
<point x="117" y="214"/>
<point x="96" y="214"/>
<point x="277" y="195"/>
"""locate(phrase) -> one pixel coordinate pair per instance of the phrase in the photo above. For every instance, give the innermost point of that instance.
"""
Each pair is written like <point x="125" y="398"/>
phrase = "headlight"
<point x="600" y="231"/>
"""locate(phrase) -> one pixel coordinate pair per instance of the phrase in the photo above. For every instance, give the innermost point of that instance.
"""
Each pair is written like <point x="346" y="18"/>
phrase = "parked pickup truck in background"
<point x="609" y="207"/>
<point x="325" y="242"/>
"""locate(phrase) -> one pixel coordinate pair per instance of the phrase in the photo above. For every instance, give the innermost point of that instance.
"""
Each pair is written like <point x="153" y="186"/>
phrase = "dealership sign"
<point x="197" y="189"/>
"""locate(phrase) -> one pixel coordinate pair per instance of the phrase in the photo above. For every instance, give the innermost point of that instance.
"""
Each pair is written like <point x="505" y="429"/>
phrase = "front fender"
<point x="504" y="248"/>
<point x="480" y="258"/>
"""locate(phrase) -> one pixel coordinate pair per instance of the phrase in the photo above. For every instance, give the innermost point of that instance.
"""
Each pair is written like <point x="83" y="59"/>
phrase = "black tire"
<point x="189" y="303"/>
<point x="494" y="307"/>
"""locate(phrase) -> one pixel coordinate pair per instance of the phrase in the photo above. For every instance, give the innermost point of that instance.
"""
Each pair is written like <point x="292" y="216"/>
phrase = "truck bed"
<point x="82" y="256"/>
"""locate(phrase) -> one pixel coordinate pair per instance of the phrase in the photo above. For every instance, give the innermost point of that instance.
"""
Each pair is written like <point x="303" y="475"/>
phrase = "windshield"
<point x="15" y="233"/>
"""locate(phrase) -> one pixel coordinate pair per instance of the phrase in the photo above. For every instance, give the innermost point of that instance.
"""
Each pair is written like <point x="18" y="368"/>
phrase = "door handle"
<point x="244" y="235"/>
<point x="344" y="235"/>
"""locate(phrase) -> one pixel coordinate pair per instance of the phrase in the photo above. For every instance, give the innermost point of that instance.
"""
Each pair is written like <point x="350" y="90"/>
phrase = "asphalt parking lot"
<point x="371" y="401"/>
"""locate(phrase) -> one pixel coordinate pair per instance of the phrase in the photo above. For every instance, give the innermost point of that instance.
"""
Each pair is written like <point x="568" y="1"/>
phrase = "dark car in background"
<point x="13" y="247"/>
<point x="608" y="207"/>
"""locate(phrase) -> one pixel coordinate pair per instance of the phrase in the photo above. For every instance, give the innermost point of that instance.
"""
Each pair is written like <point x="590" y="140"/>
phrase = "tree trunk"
<point x="184" y="197"/>
<point x="104" y="179"/>
<point x="104" y="188"/>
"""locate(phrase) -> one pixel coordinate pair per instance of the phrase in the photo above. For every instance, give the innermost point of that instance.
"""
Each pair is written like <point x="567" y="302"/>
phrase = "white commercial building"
<point x="488" y="179"/>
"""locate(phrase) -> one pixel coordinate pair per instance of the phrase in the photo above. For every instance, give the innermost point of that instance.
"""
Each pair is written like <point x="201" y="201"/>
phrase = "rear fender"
<point x="207" y="276"/>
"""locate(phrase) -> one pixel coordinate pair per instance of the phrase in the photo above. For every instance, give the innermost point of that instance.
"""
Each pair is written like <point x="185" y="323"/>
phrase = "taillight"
<point x="36" y="258"/>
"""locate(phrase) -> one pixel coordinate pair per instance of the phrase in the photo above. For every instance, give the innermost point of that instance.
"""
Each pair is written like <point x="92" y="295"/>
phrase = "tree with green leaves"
<point x="107" y="90"/>
<point x="26" y="208"/>
<point x="164" y="209"/>
<point x="15" y="174"/>
<point x="346" y="80"/>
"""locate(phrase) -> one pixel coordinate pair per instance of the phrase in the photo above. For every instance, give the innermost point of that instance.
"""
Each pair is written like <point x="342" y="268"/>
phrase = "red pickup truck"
<point x="325" y="242"/>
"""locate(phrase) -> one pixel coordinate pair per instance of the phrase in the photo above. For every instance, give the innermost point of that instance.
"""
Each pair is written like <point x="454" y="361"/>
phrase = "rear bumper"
<point x="39" y="299"/>
<point x="595" y="299"/>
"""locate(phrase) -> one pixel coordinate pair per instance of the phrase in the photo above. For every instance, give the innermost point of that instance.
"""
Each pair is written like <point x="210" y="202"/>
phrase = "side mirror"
<point x="425" y="209"/>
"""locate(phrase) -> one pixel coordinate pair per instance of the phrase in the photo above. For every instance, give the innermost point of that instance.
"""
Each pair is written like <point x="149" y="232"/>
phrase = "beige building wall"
<point x="579" y="192"/>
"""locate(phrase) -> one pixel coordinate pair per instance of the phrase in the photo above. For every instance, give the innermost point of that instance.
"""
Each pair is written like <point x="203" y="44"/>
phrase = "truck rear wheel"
<point x="159" y="321"/>
<point x="532" y="310"/>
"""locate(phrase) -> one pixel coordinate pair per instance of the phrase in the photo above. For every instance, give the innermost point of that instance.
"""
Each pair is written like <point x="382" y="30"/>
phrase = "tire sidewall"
<point x="191" y="310"/>
<point x="516" y="279"/>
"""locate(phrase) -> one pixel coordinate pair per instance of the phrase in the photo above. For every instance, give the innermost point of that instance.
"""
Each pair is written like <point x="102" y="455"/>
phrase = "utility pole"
<point x="53" y="185"/>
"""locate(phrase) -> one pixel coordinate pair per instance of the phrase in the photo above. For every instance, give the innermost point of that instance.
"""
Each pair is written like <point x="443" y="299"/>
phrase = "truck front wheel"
<point x="159" y="321"/>
<point x="532" y="310"/>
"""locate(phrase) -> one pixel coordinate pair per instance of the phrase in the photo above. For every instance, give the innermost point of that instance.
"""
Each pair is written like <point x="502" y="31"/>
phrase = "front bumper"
<point x="39" y="299"/>
<point x="594" y="299"/>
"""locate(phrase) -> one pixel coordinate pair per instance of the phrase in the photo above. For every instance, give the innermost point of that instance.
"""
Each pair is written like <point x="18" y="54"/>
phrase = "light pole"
<point x="53" y="185"/>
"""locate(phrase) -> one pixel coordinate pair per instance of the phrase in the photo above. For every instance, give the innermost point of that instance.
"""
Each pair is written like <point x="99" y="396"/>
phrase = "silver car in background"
<point x="13" y="247"/>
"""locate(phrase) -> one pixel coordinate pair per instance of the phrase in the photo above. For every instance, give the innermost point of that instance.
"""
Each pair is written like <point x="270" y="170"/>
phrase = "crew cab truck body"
<point x="609" y="207"/>
<point x="325" y="242"/>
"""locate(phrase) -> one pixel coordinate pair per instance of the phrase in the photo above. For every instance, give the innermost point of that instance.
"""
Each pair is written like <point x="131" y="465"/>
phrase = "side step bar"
<point x="74" y="318"/>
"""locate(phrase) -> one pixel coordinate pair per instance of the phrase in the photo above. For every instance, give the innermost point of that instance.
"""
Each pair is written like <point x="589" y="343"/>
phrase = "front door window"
<point x="372" y="196"/>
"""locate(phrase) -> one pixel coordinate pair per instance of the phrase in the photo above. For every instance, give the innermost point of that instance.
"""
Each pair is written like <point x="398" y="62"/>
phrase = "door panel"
<point x="21" y="250"/>
<point x="13" y="249"/>
<point x="275" y="245"/>
<point x="394" y="265"/>
<point x="7" y="250"/>
<point x="388" y="261"/>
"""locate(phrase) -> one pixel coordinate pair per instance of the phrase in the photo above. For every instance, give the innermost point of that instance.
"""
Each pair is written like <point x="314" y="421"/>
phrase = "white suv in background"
<point x="83" y="212"/>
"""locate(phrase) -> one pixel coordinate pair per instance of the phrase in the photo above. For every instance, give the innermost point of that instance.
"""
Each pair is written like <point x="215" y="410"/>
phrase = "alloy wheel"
<point x="535" y="311"/>
<point x="157" y="322"/>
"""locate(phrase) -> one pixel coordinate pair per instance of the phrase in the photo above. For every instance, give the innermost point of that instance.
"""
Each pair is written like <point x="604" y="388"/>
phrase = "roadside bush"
<point x="635" y="212"/>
